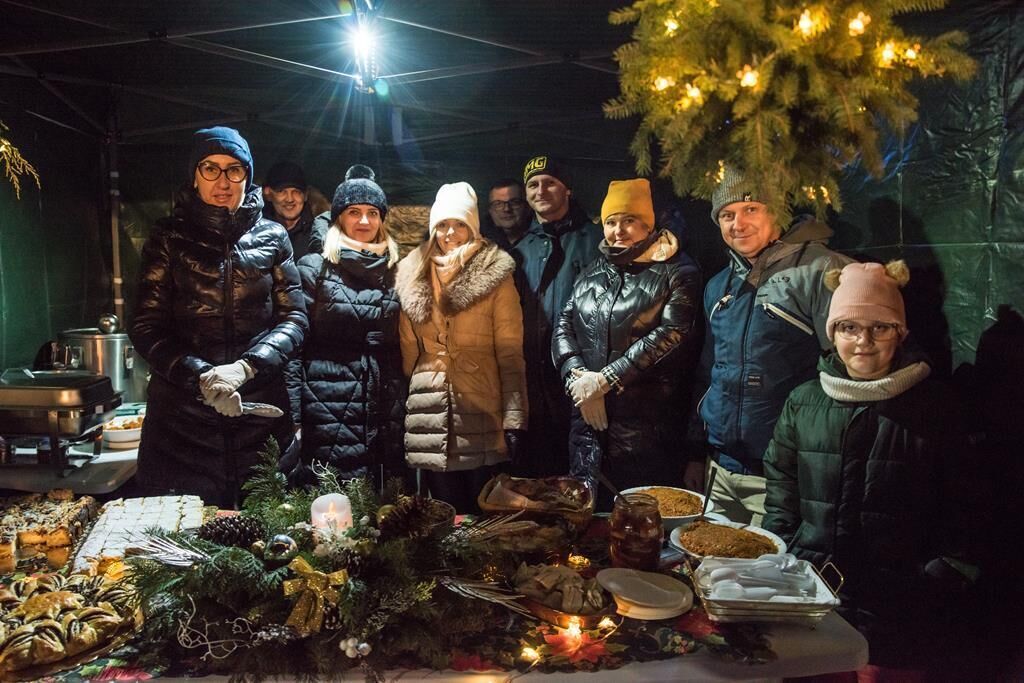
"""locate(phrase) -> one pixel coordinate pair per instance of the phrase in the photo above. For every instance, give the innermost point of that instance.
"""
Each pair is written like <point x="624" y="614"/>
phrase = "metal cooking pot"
<point x="104" y="354"/>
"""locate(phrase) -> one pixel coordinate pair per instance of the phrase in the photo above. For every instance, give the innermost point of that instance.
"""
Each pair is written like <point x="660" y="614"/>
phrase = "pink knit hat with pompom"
<point x="869" y="291"/>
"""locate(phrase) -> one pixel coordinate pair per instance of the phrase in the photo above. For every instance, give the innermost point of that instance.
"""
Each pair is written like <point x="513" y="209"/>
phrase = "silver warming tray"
<point x="64" y="404"/>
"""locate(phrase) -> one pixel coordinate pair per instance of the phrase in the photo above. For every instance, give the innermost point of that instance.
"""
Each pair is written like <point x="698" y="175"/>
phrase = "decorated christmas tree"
<point x="787" y="92"/>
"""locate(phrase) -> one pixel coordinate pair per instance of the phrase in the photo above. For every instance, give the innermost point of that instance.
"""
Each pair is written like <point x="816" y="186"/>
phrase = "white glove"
<point x="587" y="386"/>
<point x="228" y="406"/>
<point x="594" y="414"/>
<point x="223" y="380"/>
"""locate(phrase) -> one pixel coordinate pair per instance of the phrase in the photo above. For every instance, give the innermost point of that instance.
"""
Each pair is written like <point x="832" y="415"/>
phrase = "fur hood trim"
<point x="478" y="278"/>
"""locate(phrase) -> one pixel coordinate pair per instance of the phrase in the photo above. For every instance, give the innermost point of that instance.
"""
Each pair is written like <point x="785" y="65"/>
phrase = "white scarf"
<point x="859" y="391"/>
<point x="378" y="248"/>
<point x="447" y="266"/>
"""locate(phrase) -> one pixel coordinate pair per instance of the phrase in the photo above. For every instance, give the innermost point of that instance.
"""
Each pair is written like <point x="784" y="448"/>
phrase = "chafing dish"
<point x="60" y="407"/>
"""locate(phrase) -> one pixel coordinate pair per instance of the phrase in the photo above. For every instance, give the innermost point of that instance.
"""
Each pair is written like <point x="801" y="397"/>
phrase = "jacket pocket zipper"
<point x="775" y="311"/>
<point x="724" y="301"/>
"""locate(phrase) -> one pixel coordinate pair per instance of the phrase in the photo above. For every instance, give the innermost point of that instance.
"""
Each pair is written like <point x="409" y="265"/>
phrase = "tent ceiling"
<point x="467" y="78"/>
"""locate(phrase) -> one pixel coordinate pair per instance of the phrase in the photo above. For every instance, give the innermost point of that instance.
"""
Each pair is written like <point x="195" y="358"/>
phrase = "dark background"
<point x="475" y="89"/>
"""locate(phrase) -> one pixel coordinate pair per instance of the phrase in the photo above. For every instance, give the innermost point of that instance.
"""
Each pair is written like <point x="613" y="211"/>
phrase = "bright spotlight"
<point x="364" y="49"/>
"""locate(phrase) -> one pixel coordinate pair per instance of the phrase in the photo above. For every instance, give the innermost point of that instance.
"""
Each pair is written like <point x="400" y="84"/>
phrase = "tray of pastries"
<point x="37" y="524"/>
<point x="52" y="623"/>
<point x="123" y="522"/>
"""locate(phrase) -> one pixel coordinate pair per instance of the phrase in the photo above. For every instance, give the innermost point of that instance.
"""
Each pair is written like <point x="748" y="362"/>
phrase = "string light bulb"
<point x="859" y="24"/>
<point x="888" y="54"/>
<point x="720" y="175"/>
<point x="663" y="83"/>
<point x="692" y="91"/>
<point x="671" y="26"/>
<point x="748" y="76"/>
<point x="607" y="623"/>
<point x="911" y="53"/>
<point x="805" y="23"/>
<point x="530" y="654"/>
<point x="574" y="630"/>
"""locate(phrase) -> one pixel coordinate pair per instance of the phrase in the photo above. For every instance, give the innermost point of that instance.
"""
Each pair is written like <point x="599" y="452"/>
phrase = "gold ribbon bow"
<point x="315" y="594"/>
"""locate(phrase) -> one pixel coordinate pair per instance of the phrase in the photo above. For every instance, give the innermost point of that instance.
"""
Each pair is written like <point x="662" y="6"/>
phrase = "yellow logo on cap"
<point x="748" y="197"/>
<point x="533" y="165"/>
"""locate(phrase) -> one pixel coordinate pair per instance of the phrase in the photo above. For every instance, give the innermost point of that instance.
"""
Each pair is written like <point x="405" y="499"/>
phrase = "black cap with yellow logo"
<point x="545" y="165"/>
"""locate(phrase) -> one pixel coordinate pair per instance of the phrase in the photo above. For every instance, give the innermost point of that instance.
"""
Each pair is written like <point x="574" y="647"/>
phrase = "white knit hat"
<point x="458" y="201"/>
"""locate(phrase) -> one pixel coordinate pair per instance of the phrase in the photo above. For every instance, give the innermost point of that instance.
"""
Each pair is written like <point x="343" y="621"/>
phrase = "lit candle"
<point x="331" y="512"/>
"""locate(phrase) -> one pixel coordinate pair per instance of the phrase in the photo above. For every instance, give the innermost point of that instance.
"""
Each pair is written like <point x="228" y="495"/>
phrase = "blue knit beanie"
<point x="220" y="140"/>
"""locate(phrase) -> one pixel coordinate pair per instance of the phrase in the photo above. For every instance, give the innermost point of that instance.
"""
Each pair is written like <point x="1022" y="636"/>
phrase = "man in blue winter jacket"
<point x="765" y="317"/>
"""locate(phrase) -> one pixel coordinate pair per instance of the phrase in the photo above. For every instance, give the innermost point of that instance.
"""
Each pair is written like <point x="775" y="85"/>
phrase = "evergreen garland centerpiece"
<point x="370" y="595"/>
<point x="787" y="92"/>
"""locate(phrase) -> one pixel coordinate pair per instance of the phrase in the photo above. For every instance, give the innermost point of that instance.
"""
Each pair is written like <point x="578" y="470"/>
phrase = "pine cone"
<point x="411" y="517"/>
<point x="237" y="531"/>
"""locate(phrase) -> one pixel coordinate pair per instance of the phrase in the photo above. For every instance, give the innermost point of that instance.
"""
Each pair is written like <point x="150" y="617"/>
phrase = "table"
<point x="832" y="646"/>
<point x="103" y="474"/>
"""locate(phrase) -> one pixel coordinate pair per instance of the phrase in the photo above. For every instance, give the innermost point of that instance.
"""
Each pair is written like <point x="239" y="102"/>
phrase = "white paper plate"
<point x="634" y="611"/>
<point x="779" y="543"/>
<point x="644" y="589"/>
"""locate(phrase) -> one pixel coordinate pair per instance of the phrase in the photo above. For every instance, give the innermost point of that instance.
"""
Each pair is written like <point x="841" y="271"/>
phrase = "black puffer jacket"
<point x="214" y="287"/>
<point x="348" y="390"/>
<point x="638" y="321"/>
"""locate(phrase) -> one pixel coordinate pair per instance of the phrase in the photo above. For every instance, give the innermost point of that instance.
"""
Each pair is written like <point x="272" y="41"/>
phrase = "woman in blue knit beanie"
<point x="218" y="314"/>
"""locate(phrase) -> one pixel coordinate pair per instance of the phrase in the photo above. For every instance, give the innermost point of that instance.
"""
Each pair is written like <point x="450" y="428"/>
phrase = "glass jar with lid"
<point x="636" y="532"/>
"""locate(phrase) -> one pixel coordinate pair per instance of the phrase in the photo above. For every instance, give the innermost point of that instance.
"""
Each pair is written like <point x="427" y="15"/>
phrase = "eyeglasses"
<point x="851" y="331"/>
<point x="211" y="171"/>
<point x="498" y="205"/>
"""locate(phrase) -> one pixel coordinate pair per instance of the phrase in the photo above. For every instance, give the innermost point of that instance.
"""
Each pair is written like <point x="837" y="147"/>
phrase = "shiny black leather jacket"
<point x="215" y="288"/>
<point x="632" y="319"/>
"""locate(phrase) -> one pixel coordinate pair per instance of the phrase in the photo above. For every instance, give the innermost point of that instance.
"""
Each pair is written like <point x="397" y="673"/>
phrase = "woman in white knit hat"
<point x="461" y="333"/>
<point x="864" y="470"/>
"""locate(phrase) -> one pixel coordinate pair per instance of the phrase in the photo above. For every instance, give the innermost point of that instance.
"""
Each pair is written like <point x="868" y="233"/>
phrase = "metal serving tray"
<point x="807" y="612"/>
<point x="56" y="403"/>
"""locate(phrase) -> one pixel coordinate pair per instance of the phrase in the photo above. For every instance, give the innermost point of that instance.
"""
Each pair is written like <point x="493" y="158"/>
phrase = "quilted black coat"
<point x="348" y="390"/>
<point x="638" y="320"/>
<point x="214" y="287"/>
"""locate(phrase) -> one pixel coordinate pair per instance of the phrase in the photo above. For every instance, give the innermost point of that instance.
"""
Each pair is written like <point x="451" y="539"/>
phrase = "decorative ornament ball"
<point x="363" y="649"/>
<point x="257" y="548"/>
<point x="383" y="511"/>
<point x="281" y="549"/>
<point x="286" y="508"/>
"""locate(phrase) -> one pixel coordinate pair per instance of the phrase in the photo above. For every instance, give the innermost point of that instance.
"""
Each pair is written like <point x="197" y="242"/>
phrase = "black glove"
<point x="514" y="439"/>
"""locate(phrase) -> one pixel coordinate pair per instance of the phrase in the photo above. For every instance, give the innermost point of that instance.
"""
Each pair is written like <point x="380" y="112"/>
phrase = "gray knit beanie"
<point x="733" y="188"/>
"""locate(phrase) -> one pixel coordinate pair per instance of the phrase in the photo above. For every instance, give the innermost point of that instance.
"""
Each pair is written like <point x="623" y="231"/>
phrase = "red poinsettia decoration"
<point x="577" y="647"/>
<point x="696" y="623"/>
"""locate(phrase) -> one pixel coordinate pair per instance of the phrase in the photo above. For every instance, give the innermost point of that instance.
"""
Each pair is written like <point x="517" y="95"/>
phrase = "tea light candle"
<point x="578" y="562"/>
<point x="332" y="512"/>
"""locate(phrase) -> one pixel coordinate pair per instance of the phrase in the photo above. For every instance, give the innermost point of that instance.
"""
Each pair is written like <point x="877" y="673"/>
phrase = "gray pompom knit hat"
<point x="220" y="140"/>
<point x="359" y="188"/>
<point x="733" y="188"/>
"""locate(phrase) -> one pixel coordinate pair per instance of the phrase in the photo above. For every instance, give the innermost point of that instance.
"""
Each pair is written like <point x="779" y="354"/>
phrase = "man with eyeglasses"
<point x="765" y="317"/>
<point x="560" y="242"/>
<point x="509" y="213"/>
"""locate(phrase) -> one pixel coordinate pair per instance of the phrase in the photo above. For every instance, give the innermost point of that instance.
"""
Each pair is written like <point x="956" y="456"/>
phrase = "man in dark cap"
<point x="285" y="192"/>
<point x="559" y="243"/>
<point x="765" y="317"/>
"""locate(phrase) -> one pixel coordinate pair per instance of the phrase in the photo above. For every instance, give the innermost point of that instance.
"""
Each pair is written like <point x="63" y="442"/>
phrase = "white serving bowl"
<point x="671" y="523"/>
<point x="114" y="431"/>
<point x="676" y="541"/>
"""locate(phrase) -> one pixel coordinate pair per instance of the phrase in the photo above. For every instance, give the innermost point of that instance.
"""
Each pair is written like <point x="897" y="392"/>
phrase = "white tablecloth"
<point x="832" y="646"/>
<point x="101" y="475"/>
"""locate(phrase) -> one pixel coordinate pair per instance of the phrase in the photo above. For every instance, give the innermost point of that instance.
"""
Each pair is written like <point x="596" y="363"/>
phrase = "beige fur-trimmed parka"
<point x="463" y="355"/>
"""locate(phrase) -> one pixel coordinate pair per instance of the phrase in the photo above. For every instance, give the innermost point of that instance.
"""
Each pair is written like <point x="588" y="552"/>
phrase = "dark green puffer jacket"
<point x="871" y="486"/>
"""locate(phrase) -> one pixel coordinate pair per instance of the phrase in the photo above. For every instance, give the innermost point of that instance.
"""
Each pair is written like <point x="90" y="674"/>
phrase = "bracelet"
<point x="613" y="380"/>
